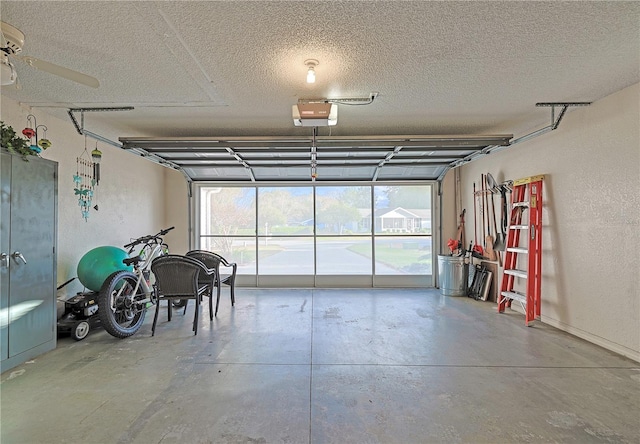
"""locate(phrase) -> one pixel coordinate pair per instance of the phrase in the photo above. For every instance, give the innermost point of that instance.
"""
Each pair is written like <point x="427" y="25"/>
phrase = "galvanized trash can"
<point x="453" y="275"/>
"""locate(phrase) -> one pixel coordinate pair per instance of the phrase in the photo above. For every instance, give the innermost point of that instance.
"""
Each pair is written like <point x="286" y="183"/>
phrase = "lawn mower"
<point x="80" y="315"/>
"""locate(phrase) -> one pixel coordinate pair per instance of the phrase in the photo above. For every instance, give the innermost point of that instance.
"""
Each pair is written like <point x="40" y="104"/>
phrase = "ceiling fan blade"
<point x="61" y="71"/>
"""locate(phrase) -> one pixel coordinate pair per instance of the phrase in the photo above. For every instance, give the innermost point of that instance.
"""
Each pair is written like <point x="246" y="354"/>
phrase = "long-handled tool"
<point x="475" y="216"/>
<point x="498" y="243"/>
<point x="493" y="187"/>
<point x="505" y="208"/>
<point x="489" y="238"/>
<point x="461" y="238"/>
<point x="477" y="248"/>
<point x="481" y="192"/>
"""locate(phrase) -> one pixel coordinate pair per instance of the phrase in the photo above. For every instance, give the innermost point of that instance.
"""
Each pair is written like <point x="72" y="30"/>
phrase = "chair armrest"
<point x="235" y="268"/>
<point x="208" y="271"/>
<point x="203" y="268"/>
<point x="224" y="262"/>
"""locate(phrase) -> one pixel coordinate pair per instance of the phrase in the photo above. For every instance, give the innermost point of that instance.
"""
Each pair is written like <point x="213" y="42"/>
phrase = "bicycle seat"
<point x="131" y="260"/>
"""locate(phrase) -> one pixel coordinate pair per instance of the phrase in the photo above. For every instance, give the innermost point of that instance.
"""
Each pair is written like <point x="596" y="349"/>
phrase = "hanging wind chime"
<point x="96" y="156"/>
<point x="86" y="178"/>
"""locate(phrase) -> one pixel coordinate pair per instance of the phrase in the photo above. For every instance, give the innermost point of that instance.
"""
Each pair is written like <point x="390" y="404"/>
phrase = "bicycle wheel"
<point x="119" y="308"/>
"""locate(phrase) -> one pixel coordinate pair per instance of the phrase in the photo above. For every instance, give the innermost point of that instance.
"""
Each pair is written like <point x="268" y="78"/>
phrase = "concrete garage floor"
<point x="327" y="366"/>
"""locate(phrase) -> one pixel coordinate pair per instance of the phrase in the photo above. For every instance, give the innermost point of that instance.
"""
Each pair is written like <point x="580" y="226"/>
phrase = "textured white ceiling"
<point x="207" y="68"/>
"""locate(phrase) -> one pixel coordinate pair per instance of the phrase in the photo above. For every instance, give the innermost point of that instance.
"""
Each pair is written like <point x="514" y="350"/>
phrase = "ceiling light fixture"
<point x="311" y="69"/>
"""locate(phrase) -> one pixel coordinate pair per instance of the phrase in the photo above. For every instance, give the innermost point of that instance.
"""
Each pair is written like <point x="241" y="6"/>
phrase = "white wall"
<point x="130" y="196"/>
<point x="591" y="217"/>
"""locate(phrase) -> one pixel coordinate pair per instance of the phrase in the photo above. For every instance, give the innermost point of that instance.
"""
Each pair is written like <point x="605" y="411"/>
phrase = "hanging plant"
<point x="14" y="143"/>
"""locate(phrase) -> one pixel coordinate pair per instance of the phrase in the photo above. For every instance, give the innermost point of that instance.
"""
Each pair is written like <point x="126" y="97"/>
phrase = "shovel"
<point x="488" y="245"/>
<point x="499" y="244"/>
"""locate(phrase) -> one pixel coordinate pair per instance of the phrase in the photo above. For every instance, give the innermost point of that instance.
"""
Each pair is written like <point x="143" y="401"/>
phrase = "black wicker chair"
<point x="213" y="261"/>
<point x="181" y="277"/>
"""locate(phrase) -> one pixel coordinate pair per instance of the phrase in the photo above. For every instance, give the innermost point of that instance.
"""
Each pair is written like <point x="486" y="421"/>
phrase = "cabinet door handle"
<point x="17" y="255"/>
<point x="4" y="258"/>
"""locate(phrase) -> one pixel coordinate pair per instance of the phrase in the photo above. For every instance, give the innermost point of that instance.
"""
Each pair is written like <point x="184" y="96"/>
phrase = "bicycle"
<point x="125" y="296"/>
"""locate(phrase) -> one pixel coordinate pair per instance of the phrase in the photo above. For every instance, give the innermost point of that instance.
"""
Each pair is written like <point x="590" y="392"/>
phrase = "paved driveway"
<point x="334" y="257"/>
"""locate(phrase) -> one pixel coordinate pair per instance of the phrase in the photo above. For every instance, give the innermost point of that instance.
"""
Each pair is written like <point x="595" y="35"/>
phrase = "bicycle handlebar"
<point x="165" y="231"/>
<point x="147" y="238"/>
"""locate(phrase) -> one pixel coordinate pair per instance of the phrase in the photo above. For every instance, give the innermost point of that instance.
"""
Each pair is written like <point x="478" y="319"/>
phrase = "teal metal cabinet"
<point x="28" y="229"/>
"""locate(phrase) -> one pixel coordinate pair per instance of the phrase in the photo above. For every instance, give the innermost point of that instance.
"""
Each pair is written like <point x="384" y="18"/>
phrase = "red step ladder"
<point x="526" y="216"/>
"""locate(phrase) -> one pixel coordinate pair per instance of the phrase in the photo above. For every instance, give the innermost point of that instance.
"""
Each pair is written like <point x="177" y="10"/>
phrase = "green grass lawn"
<point x="399" y="258"/>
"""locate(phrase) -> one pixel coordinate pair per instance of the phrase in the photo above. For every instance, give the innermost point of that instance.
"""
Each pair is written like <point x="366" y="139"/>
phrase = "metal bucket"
<point x="452" y="275"/>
